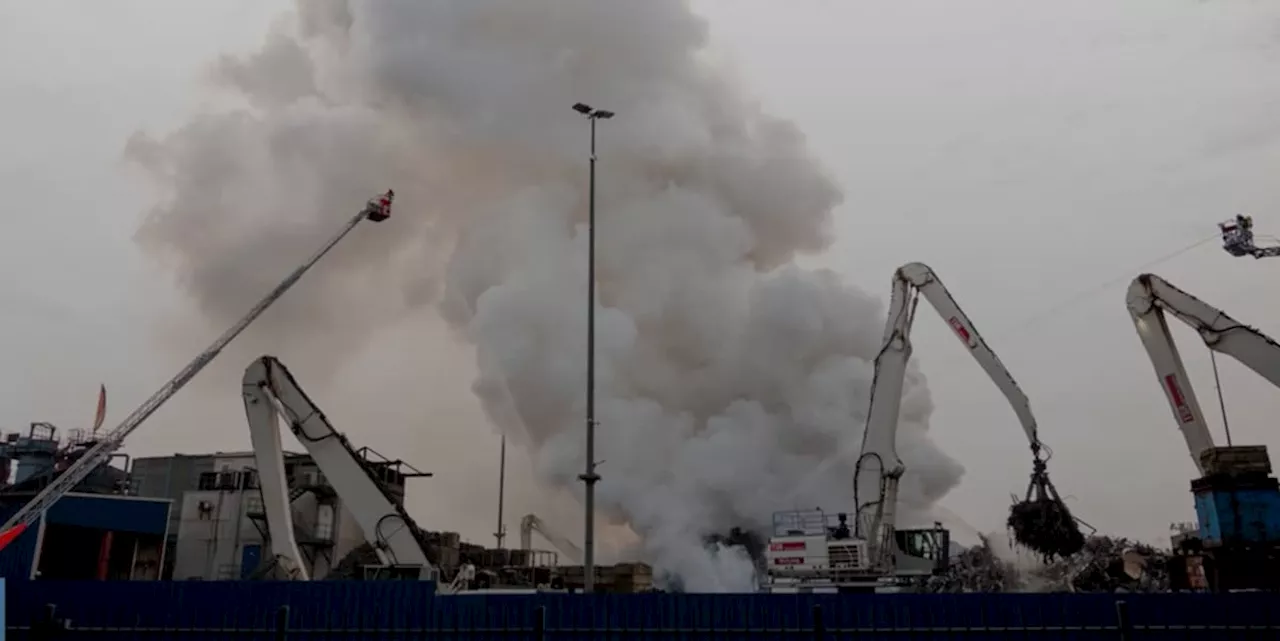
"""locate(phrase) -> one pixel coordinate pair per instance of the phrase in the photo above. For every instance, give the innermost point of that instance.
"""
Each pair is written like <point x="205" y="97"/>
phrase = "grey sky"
<point x="1027" y="151"/>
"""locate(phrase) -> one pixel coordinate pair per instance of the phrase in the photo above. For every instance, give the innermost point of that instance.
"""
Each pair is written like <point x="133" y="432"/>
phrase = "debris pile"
<point x="1107" y="564"/>
<point x="1103" y="564"/>
<point x="977" y="569"/>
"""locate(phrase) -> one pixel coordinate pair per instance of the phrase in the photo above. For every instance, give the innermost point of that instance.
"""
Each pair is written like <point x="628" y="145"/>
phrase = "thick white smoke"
<point x="726" y="374"/>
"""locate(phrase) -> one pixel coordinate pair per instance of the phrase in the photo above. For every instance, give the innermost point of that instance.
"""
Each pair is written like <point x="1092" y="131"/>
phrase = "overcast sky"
<point x="1035" y="154"/>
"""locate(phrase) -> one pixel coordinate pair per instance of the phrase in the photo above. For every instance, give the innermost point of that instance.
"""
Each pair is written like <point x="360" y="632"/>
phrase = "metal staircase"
<point x="311" y="546"/>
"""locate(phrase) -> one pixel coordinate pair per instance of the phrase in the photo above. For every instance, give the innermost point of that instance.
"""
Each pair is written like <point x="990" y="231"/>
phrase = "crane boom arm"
<point x="531" y="523"/>
<point x="1147" y="299"/>
<point x="270" y="391"/>
<point x="879" y="440"/>
<point x="377" y="209"/>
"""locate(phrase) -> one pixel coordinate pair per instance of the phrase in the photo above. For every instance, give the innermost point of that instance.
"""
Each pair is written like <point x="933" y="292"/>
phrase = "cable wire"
<point x="1053" y="310"/>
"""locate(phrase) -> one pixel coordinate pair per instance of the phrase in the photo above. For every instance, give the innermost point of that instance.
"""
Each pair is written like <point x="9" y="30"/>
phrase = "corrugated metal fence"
<point x="410" y="610"/>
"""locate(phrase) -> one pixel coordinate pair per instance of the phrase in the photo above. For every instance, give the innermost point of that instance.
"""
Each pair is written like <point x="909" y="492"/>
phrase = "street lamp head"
<point x="582" y="108"/>
<point x="602" y="114"/>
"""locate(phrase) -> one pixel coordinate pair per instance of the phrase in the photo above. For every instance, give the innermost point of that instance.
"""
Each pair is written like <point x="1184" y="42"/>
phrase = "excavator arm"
<point x="377" y="209"/>
<point x="531" y="523"/>
<point x="878" y="465"/>
<point x="1149" y="297"/>
<point x="270" y="391"/>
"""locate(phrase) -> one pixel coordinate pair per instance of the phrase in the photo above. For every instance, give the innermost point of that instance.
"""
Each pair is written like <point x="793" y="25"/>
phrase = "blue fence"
<point x="410" y="610"/>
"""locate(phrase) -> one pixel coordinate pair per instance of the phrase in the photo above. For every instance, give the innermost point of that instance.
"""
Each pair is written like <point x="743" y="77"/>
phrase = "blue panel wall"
<point x="121" y="514"/>
<point x="336" y="610"/>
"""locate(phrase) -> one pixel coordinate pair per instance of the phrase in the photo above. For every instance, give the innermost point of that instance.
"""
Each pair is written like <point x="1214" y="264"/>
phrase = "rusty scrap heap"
<point x="977" y="569"/>
<point x="1099" y="566"/>
<point x="1109" y="564"/>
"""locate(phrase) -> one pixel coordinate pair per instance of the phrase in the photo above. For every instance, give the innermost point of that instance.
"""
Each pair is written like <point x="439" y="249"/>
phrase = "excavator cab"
<point x="923" y="551"/>
<point x="379" y="209"/>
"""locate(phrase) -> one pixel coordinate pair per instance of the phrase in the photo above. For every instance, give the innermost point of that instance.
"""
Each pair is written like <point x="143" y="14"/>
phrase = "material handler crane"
<point x="808" y="551"/>
<point x="531" y="523"/>
<point x="270" y="391"/>
<point x="1237" y="501"/>
<point x="377" y="210"/>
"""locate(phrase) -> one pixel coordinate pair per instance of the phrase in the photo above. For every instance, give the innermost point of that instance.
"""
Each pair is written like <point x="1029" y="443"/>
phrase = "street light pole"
<point x="501" y="533"/>
<point x="589" y="476"/>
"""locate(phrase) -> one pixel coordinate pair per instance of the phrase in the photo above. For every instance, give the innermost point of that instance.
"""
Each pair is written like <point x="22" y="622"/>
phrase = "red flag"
<point x="9" y="535"/>
<point x="101" y="414"/>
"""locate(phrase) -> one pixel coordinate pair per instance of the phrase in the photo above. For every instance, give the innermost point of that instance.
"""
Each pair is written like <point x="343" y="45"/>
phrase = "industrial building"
<point x="170" y="517"/>
<point x="201" y="517"/>
<point x="98" y="531"/>
<point x="218" y="528"/>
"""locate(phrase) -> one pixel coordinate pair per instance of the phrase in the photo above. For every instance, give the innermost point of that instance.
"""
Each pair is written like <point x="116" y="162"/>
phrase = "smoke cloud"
<point x="726" y="374"/>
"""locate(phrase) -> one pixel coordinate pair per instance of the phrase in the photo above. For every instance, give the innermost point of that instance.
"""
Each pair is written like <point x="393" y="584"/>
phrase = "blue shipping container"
<point x="1238" y="515"/>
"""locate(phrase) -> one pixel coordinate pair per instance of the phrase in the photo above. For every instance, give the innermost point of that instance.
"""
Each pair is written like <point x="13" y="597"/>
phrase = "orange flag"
<point x="101" y="414"/>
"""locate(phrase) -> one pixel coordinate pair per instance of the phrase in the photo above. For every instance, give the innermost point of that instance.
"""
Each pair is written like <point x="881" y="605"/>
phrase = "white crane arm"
<point x="377" y="210"/>
<point x="273" y="480"/>
<point x="531" y="523"/>
<point x="1147" y="299"/>
<point x="270" y="390"/>
<point x="879" y="441"/>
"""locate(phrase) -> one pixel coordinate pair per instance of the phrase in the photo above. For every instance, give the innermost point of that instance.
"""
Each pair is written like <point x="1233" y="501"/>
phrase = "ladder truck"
<point x="1237" y="239"/>
<point x="377" y="209"/>
<point x="1237" y="501"/>
<point x="809" y="551"/>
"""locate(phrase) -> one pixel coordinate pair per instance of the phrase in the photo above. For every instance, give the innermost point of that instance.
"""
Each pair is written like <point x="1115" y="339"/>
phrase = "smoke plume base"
<point x="726" y="373"/>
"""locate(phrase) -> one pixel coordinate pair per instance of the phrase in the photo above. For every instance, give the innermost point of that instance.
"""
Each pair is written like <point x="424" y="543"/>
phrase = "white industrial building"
<point x="219" y="532"/>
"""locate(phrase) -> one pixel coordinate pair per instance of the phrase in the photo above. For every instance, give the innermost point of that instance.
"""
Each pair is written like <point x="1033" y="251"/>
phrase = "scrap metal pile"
<point x="977" y="569"/>
<point x="1099" y="566"/>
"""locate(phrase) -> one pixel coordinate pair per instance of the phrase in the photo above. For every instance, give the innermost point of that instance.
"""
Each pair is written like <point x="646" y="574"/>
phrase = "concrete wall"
<point x="210" y="542"/>
<point x="169" y="477"/>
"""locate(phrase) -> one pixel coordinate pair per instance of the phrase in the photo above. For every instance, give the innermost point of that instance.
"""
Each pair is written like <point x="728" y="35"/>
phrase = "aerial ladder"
<point x="1238" y="240"/>
<point x="1237" y="501"/>
<point x="270" y="391"/>
<point x="377" y="209"/>
<point x="878" y="465"/>
<point x="531" y="523"/>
